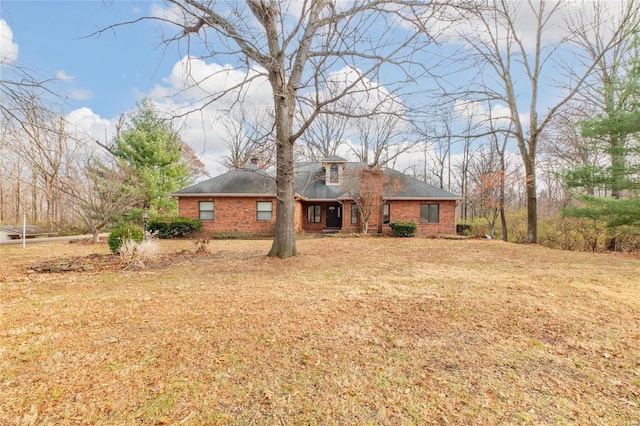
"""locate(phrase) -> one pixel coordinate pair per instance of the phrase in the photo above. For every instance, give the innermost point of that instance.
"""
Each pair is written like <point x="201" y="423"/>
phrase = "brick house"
<point x="243" y="200"/>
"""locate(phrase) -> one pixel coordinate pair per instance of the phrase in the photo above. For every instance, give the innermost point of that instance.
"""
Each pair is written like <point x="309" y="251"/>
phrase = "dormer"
<point x="334" y="169"/>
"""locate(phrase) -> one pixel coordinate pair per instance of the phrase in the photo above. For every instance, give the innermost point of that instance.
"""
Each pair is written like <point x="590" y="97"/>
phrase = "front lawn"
<point x="352" y="331"/>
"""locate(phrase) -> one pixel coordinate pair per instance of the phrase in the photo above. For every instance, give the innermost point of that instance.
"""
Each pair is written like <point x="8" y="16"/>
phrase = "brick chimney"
<point x="253" y="163"/>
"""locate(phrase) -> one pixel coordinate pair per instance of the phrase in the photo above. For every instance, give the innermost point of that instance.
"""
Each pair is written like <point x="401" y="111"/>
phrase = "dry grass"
<point x="138" y="255"/>
<point x="352" y="331"/>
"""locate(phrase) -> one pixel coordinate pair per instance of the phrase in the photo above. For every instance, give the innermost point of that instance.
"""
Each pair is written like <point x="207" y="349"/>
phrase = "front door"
<point x="334" y="216"/>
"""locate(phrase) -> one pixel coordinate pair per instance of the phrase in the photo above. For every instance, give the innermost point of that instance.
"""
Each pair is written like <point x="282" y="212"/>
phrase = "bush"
<point x="122" y="233"/>
<point x="404" y="228"/>
<point x="464" y="229"/>
<point x="517" y="226"/>
<point x="175" y="227"/>
<point x="138" y="255"/>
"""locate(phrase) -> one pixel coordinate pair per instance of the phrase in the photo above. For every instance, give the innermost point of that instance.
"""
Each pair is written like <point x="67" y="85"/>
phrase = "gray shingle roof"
<point x="310" y="184"/>
<point x="410" y="187"/>
<point x="244" y="181"/>
<point x="333" y="159"/>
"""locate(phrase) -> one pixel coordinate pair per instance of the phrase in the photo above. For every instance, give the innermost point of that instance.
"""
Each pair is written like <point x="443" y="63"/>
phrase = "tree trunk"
<point x="532" y="204"/>
<point x="284" y="242"/>
<point x="503" y="221"/>
<point x="617" y="156"/>
<point x="503" y="216"/>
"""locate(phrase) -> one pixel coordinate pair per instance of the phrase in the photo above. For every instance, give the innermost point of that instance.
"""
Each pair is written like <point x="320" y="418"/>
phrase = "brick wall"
<point x="303" y="222"/>
<point x="346" y="219"/>
<point x="238" y="215"/>
<point x="410" y="210"/>
<point x="300" y="217"/>
<point x="231" y="214"/>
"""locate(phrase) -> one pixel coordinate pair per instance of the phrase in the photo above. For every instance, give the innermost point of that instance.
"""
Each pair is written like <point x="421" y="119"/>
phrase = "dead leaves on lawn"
<point x="352" y="331"/>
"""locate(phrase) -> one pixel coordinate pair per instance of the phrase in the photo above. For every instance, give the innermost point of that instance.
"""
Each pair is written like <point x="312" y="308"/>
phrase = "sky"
<point x="103" y="75"/>
<point x="106" y="73"/>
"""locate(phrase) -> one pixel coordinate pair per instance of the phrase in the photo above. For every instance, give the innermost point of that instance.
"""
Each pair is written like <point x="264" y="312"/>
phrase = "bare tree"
<point x="197" y="167"/>
<point x="20" y="86"/>
<point x="379" y="139"/>
<point x="367" y="187"/>
<point x="470" y="147"/>
<point x="513" y="63"/>
<point x="12" y="172"/>
<point x="499" y="144"/>
<point x="488" y="193"/>
<point x="324" y="137"/>
<point x="29" y="146"/>
<point x="101" y="190"/>
<point x="41" y="141"/>
<point x="297" y="47"/>
<point x="484" y="195"/>
<point x="247" y="139"/>
<point x="436" y="139"/>
<point x="563" y="147"/>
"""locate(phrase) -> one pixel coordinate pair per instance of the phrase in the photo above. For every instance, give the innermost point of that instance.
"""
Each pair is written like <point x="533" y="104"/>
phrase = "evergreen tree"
<point x="154" y="150"/>
<point x="611" y="193"/>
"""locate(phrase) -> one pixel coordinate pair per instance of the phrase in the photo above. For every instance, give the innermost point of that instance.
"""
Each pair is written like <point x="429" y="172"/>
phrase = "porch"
<point x="321" y="217"/>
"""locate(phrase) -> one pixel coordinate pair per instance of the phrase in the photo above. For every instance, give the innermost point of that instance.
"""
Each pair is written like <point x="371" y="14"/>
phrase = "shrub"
<point x="517" y="226"/>
<point x="175" y="227"/>
<point x="464" y="229"/>
<point x="137" y="255"/>
<point x="122" y="233"/>
<point x="404" y="228"/>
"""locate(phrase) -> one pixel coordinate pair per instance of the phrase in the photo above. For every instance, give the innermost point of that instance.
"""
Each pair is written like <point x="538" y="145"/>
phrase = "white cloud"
<point x="364" y="95"/>
<point x="8" y="48"/>
<point x="523" y="16"/>
<point x="79" y="94"/>
<point x="167" y="14"/>
<point x="459" y="25"/>
<point x="90" y="127"/>
<point x="205" y="94"/>
<point x="187" y="92"/>
<point x="477" y="113"/>
<point x="75" y="94"/>
<point x="63" y="76"/>
<point x="193" y="79"/>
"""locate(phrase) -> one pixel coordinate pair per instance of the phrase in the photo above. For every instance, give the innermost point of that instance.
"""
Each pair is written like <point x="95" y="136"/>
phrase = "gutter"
<point x="425" y="198"/>
<point x="208" y="194"/>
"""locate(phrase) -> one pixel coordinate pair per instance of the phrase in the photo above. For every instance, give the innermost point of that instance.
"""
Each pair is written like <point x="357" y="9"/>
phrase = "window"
<point x="429" y="213"/>
<point x="333" y="173"/>
<point x="205" y="210"/>
<point x="264" y="211"/>
<point x="314" y="214"/>
<point x="354" y="214"/>
<point x="386" y="213"/>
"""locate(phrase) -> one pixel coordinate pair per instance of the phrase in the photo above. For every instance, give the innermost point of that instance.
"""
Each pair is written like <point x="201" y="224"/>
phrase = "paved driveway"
<point x="52" y="239"/>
